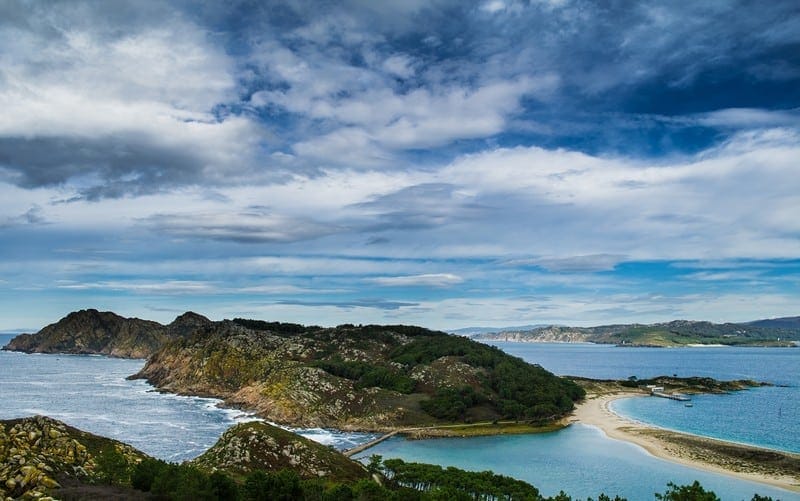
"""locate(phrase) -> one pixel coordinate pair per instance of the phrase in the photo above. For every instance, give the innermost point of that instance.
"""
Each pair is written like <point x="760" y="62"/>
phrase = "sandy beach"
<point x="776" y="468"/>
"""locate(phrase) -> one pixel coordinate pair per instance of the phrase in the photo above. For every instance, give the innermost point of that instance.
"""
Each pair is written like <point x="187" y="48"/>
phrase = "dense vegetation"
<point x="519" y="390"/>
<point x="368" y="375"/>
<point x="402" y="481"/>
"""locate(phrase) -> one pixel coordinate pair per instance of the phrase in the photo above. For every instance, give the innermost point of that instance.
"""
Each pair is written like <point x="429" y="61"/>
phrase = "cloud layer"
<point x="444" y="163"/>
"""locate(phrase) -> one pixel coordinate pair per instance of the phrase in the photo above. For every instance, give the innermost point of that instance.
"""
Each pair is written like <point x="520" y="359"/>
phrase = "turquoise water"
<point x="580" y="459"/>
<point x="766" y="417"/>
<point x="584" y="462"/>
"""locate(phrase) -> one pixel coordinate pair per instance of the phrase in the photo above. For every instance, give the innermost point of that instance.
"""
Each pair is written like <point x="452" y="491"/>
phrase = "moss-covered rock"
<point x="35" y="452"/>
<point x="259" y="446"/>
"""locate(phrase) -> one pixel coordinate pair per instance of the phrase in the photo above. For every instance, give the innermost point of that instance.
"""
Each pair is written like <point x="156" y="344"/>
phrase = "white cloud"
<point x="425" y="280"/>
<point x="168" y="287"/>
<point x="592" y="262"/>
<point x="253" y="225"/>
<point x="132" y="106"/>
<point x="749" y="118"/>
<point x="493" y="6"/>
<point x="399" y="65"/>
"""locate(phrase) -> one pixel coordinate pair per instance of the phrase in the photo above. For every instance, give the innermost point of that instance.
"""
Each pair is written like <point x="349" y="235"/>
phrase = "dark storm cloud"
<point x="115" y="166"/>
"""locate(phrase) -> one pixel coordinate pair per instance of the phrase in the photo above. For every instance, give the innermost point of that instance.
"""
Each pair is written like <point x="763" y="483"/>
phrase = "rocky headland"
<point x="357" y="377"/>
<point x="365" y="377"/>
<point x="92" y="332"/>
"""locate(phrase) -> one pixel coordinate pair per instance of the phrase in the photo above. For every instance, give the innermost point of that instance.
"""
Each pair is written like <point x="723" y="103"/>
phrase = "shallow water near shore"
<point x="579" y="459"/>
<point x="764" y="417"/>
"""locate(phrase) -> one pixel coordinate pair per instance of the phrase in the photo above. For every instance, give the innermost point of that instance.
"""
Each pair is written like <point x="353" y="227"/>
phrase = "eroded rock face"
<point x="94" y="332"/>
<point x="259" y="446"/>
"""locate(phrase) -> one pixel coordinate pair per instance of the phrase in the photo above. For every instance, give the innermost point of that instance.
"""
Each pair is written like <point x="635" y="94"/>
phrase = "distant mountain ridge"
<point x="775" y="332"/>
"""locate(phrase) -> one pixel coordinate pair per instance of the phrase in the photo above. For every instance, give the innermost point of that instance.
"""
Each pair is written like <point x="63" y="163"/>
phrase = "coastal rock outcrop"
<point x="37" y="453"/>
<point x="92" y="332"/>
<point x="252" y="446"/>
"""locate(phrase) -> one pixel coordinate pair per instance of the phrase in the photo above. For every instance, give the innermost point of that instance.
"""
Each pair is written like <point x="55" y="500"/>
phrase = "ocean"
<point x="91" y="393"/>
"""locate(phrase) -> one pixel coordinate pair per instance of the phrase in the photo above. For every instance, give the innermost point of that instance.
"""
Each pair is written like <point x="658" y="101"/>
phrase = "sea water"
<point x="579" y="459"/>
<point x="92" y="393"/>
<point x="764" y="417"/>
<point x="582" y="461"/>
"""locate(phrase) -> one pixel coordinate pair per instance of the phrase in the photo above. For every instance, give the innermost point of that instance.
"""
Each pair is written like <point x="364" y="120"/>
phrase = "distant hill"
<point x="778" y="332"/>
<point x="477" y="331"/>
<point x="92" y="332"/>
<point x="788" y="323"/>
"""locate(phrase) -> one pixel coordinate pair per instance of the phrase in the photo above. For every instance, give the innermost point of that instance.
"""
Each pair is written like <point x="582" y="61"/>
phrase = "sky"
<point x="438" y="163"/>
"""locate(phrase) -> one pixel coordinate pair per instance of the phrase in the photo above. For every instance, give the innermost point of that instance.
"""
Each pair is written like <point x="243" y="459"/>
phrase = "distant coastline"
<point x="675" y="333"/>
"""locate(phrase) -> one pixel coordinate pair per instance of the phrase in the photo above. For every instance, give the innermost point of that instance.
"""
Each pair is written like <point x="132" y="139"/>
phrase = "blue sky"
<point x="441" y="163"/>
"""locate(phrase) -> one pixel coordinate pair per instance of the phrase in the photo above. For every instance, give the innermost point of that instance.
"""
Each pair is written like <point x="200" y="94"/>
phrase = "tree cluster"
<point x="521" y="390"/>
<point x="368" y="375"/>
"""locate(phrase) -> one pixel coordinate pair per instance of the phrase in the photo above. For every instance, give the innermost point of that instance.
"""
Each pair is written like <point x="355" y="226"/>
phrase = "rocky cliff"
<point x="105" y="333"/>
